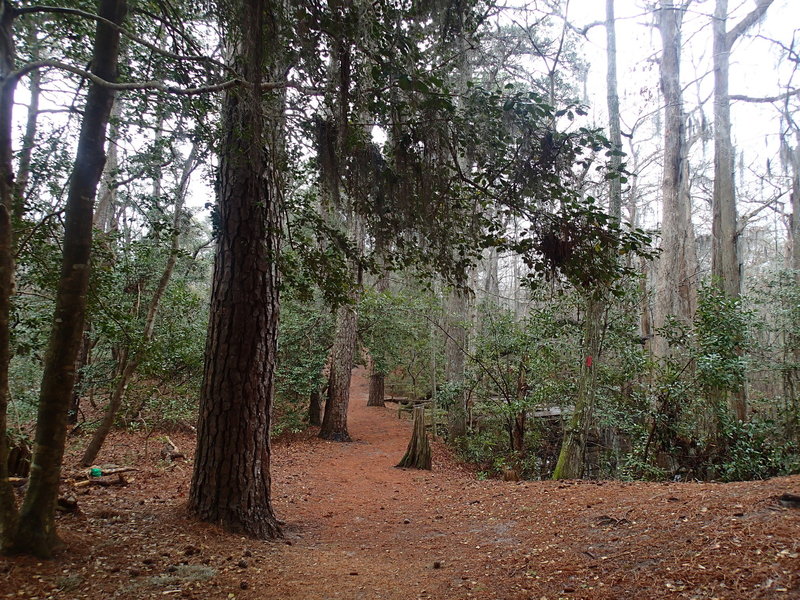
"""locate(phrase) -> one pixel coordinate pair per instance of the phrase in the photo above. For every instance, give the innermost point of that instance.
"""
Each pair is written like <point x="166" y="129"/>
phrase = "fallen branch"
<point x="105" y="481"/>
<point x="170" y="451"/>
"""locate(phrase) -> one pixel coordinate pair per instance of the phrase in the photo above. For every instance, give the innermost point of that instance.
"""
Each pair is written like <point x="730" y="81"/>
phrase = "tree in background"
<point x="676" y="280"/>
<point x="725" y="268"/>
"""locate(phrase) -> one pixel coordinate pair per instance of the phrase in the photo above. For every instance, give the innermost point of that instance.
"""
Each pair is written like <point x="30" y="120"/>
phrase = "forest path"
<point x="359" y="529"/>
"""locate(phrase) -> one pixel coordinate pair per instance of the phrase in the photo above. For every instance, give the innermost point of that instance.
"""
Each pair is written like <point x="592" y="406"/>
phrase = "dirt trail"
<point x="358" y="528"/>
<point x="372" y="530"/>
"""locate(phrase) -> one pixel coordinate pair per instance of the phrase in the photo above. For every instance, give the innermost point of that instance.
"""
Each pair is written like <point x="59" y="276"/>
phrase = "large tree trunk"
<point x="724" y="253"/>
<point x="8" y="509"/>
<point x="676" y="281"/>
<point x="791" y="354"/>
<point x="334" y="423"/>
<point x="231" y="483"/>
<point x="795" y="199"/>
<point x="36" y="531"/>
<point x="104" y="222"/>
<point x="725" y="267"/>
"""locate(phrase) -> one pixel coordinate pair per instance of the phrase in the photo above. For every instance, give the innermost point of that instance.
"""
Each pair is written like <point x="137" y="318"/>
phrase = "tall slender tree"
<point x="676" y="280"/>
<point x="725" y="266"/>
<point x="36" y="530"/>
<point x="8" y="83"/>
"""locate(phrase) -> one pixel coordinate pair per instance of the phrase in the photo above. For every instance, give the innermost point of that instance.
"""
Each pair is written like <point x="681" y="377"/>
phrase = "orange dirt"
<point x="357" y="528"/>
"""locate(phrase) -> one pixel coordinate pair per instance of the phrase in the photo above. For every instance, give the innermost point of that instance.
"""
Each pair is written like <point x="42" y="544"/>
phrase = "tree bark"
<point x="36" y="531"/>
<point x="231" y="483"/>
<point x="676" y="282"/>
<point x="334" y="423"/>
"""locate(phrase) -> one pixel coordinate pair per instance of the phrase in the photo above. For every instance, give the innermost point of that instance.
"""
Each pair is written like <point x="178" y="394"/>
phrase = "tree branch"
<point x="141" y="85"/>
<point x="766" y="99"/>
<point x="582" y="31"/>
<point x="747" y="22"/>
<point x="91" y="16"/>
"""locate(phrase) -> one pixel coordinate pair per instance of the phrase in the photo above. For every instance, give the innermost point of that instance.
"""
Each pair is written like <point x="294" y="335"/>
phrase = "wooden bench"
<point x="406" y="405"/>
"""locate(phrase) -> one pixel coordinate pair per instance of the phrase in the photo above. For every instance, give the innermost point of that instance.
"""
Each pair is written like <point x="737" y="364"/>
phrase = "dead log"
<point x="67" y="504"/>
<point x="170" y="451"/>
<point x="19" y="457"/>
<point x="418" y="454"/>
<point x="104" y="481"/>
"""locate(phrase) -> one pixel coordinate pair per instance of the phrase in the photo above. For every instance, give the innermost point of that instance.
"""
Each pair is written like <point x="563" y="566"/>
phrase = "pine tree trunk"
<point x="334" y="423"/>
<point x="36" y="531"/>
<point x="231" y="484"/>
<point x="418" y="453"/>
<point x="724" y="253"/>
<point x="572" y="458"/>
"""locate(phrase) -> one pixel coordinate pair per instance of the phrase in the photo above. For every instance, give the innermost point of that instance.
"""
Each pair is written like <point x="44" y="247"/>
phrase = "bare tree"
<point x="676" y="281"/>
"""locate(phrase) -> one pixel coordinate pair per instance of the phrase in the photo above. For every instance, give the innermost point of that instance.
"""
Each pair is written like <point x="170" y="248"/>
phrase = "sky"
<point x="755" y="71"/>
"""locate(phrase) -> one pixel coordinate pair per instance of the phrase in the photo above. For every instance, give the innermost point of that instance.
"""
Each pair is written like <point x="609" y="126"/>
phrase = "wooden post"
<point x="418" y="454"/>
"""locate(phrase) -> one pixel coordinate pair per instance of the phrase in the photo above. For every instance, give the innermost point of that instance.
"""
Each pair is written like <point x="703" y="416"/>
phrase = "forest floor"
<point x="358" y="528"/>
